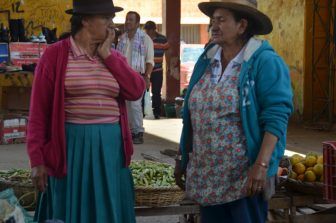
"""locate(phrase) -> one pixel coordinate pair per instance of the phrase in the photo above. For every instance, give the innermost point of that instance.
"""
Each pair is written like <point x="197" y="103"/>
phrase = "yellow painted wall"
<point x="287" y="16"/>
<point x="288" y="39"/>
<point x="49" y="13"/>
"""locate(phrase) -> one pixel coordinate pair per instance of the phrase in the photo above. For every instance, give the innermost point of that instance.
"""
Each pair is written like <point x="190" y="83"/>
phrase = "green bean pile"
<point x="22" y="185"/>
<point x="20" y="175"/>
<point x="152" y="174"/>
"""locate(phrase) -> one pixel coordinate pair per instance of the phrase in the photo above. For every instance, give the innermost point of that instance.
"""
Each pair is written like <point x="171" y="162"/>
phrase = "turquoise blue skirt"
<point x="97" y="188"/>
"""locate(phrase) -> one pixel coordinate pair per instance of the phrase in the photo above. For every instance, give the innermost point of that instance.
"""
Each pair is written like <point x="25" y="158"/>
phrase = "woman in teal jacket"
<point x="235" y="117"/>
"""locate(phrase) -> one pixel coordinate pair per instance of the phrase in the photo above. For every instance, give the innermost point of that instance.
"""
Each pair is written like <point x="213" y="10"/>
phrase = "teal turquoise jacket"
<point x="265" y="100"/>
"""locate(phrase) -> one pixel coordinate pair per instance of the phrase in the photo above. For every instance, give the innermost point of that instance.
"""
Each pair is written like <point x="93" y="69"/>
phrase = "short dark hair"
<point x="76" y="24"/>
<point x="137" y="16"/>
<point x="250" y="29"/>
<point x="150" y="25"/>
<point x="64" y="35"/>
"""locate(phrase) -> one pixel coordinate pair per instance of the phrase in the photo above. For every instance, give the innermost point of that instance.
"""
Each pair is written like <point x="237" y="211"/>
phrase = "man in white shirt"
<point x="138" y="48"/>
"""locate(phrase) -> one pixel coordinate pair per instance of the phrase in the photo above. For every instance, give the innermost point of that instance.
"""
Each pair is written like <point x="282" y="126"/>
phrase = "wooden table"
<point x="283" y="207"/>
<point x="302" y="208"/>
<point x="183" y="209"/>
<point x="16" y="79"/>
<point x="15" y="88"/>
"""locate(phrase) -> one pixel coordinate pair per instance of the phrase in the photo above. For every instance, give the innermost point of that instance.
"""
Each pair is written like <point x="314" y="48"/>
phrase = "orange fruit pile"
<point x="308" y="168"/>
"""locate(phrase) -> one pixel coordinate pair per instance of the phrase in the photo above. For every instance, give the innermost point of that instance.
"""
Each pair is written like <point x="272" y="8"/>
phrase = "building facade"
<point x="297" y="37"/>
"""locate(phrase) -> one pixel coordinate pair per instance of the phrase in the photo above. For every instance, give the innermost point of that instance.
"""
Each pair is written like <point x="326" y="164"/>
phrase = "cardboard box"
<point x="20" y="62"/>
<point x="16" y="98"/>
<point x="329" y="171"/>
<point x="13" y="130"/>
<point x="26" y="53"/>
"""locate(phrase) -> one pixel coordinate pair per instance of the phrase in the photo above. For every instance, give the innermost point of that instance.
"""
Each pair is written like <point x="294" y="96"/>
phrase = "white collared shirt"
<point x="216" y="65"/>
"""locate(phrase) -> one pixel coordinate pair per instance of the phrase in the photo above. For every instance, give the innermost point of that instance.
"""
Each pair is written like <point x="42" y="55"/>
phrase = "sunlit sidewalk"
<point x="299" y="139"/>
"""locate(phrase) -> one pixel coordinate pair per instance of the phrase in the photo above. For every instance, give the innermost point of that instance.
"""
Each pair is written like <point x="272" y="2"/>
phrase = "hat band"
<point x="254" y="2"/>
<point x="251" y="3"/>
<point x="94" y="7"/>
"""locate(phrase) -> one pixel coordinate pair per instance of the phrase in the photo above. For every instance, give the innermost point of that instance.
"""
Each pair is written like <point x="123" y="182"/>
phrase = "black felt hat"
<point x="93" y="7"/>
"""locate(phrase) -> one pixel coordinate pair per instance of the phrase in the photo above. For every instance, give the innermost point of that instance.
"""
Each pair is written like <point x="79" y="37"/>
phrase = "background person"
<point x="160" y="48"/>
<point x="137" y="46"/>
<point x="78" y="137"/>
<point x="235" y="117"/>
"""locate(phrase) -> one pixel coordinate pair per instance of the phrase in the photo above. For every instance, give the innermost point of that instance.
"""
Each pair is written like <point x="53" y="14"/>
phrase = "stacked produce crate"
<point x="329" y="156"/>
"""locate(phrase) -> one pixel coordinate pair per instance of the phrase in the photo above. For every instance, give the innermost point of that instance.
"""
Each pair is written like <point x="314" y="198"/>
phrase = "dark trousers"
<point x="156" y="80"/>
<point x="246" y="210"/>
<point x="143" y="99"/>
<point x="143" y="103"/>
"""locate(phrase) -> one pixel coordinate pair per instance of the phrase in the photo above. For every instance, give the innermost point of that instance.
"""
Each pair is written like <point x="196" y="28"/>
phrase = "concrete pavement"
<point x="164" y="134"/>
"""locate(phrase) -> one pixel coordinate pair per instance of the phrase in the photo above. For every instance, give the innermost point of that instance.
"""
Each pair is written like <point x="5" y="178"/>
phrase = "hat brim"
<point x="116" y="9"/>
<point x="263" y="24"/>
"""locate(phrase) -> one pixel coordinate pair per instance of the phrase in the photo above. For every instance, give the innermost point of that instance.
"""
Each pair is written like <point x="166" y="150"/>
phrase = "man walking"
<point x="137" y="46"/>
<point x="160" y="47"/>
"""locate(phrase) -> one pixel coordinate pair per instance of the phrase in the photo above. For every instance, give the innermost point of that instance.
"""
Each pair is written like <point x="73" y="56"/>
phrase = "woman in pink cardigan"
<point x="79" y="142"/>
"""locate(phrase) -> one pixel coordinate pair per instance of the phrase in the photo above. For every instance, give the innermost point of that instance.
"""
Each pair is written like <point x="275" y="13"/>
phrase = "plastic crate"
<point x="4" y="48"/>
<point x="4" y="52"/>
<point x="329" y="170"/>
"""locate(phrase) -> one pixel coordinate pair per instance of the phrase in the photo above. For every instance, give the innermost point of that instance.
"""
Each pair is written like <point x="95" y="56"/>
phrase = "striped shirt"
<point x="90" y="89"/>
<point x="160" y="45"/>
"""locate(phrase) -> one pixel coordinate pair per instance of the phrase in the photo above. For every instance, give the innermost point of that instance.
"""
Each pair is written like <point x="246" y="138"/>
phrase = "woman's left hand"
<point x="104" y="49"/>
<point x="256" y="179"/>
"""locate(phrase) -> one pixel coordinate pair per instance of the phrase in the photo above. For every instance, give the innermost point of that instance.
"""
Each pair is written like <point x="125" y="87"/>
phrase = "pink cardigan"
<point x="46" y="131"/>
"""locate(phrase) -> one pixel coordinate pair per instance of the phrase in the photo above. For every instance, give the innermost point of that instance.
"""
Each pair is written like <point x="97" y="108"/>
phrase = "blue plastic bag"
<point x="11" y="210"/>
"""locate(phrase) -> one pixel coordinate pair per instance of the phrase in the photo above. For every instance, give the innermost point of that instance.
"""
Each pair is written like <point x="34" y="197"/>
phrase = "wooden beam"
<point x="279" y="203"/>
<point x="171" y="26"/>
<point x="171" y="210"/>
<point x="308" y="68"/>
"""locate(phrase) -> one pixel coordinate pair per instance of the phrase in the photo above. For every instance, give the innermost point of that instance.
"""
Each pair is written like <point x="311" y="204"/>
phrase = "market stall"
<point x="17" y="63"/>
<point x="15" y="88"/>
<point x="295" y="200"/>
<point x="21" y="82"/>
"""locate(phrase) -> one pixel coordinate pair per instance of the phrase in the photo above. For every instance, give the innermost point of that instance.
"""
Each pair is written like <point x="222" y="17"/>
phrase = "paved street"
<point x="165" y="133"/>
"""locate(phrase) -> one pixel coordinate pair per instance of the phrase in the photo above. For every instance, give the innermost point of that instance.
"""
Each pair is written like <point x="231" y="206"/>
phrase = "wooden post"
<point x="171" y="25"/>
<point x="204" y="33"/>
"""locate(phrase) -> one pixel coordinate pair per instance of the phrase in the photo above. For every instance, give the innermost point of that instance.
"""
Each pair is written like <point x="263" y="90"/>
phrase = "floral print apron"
<point x="218" y="165"/>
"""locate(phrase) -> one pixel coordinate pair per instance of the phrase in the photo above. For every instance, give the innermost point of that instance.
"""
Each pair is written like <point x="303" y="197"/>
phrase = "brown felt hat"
<point x="263" y="24"/>
<point x="96" y="7"/>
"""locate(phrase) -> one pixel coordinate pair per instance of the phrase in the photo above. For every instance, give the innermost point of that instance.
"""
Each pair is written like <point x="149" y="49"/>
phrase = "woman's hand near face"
<point x="39" y="175"/>
<point x="104" y="49"/>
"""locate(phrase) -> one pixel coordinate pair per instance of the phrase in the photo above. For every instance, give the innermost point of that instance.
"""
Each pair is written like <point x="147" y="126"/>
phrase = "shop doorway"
<point x="320" y="63"/>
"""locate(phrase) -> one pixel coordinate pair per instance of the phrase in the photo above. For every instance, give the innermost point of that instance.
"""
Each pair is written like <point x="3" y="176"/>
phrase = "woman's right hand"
<point x="179" y="174"/>
<point x="104" y="49"/>
<point x="39" y="175"/>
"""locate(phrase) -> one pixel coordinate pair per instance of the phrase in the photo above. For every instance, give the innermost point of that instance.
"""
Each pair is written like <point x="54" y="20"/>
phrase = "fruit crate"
<point x="309" y="188"/>
<point x="329" y="170"/>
